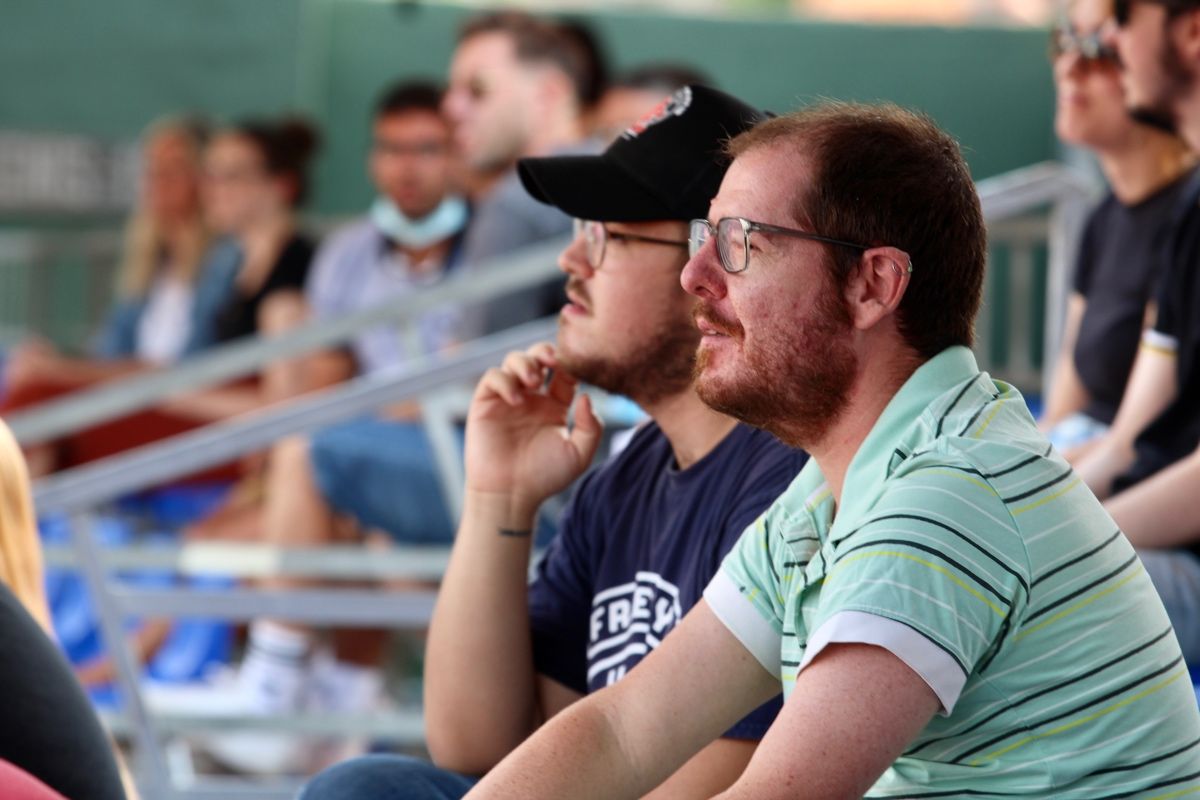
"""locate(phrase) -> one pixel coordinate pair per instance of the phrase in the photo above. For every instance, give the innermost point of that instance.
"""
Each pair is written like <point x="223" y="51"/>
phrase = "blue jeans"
<point x="1176" y="576"/>
<point x="386" y="777"/>
<point x="382" y="473"/>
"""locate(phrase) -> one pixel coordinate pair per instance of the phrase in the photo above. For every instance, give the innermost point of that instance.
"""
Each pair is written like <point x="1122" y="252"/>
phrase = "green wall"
<point x="106" y="68"/>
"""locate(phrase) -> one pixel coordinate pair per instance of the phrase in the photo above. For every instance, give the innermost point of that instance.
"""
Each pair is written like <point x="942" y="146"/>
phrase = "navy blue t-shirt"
<point x="636" y="546"/>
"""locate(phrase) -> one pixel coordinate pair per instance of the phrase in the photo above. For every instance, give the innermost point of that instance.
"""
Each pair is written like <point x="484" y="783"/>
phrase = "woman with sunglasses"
<point x="1113" y="286"/>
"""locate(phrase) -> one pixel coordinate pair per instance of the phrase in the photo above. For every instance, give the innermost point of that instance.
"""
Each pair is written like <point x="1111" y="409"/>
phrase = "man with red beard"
<point x="948" y="609"/>
<point x="645" y="532"/>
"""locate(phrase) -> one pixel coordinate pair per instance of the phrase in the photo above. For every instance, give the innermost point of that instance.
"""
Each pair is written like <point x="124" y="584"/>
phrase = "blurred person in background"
<point x="21" y="566"/>
<point x="53" y="733"/>
<point x="1147" y="467"/>
<point x="1121" y="255"/>
<point x="633" y="94"/>
<point x="166" y="241"/>
<point x="166" y="301"/>
<point x="517" y="88"/>
<point x="375" y="473"/>
<point x="254" y="177"/>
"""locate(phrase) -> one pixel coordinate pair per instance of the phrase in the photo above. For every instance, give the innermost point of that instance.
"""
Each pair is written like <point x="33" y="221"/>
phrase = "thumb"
<point x="585" y="434"/>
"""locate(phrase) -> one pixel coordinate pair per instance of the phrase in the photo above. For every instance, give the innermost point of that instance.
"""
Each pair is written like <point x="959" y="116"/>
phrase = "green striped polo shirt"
<point x="971" y="551"/>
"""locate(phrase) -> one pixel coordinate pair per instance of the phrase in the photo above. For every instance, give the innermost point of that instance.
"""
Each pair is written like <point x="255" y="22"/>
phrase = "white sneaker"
<point x="337" y="687"/>
<point x="221" y="694"/>
<point x="271" y="680"/>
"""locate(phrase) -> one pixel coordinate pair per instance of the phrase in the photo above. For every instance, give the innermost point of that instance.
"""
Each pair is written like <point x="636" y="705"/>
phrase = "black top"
<point x="1121" y="258"/>
<point x="1176" y="432"/>
<point x="239" y="317"/>
<point x="50" y="729"/>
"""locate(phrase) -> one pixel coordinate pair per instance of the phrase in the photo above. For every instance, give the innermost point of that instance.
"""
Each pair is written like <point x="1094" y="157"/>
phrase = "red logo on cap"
<point x="672" y="106"/>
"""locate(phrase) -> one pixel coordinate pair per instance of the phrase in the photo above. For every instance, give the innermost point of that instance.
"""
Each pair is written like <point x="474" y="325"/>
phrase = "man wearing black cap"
<point x="645" y="532"/>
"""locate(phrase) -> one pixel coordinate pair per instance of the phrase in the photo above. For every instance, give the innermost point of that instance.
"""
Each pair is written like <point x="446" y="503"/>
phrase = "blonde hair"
<point x="145" y="240"/>
<point x="20" y="547"/>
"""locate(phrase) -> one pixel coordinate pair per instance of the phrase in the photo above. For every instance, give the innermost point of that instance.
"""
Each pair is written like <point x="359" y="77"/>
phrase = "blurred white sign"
<point x="56" y="172"/>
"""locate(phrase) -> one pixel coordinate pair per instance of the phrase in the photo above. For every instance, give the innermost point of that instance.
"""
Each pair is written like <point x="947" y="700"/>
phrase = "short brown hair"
<point x="544" y="41"/>
<point x="886" y="176"/>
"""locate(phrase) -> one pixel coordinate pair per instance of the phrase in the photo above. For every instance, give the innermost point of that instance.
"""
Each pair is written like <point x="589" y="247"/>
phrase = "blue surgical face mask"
<point x="448" y="219"/>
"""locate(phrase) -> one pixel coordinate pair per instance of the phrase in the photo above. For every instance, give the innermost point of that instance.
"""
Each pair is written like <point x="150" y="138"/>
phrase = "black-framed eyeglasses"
<point x="1122" y="9"/>
<point x="733" y="239"/>
<point x="1090" y="47"/>
<point x="596" y="238"/>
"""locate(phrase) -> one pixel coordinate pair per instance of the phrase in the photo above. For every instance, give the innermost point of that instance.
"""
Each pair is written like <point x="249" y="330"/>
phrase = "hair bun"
<point x="300" y="137"/>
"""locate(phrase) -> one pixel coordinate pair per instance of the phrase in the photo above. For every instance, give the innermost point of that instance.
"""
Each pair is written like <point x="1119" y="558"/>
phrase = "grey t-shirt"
<point x="504" y="221"/>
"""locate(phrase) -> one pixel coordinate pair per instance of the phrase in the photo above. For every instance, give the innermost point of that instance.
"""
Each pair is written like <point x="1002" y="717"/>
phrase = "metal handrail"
<point x="1069" y="193"/>
<point x="91" y="484"/>
<point x="257" y="560"/>
<point x="475" y="283"/>
<point x="1028" y="188"/>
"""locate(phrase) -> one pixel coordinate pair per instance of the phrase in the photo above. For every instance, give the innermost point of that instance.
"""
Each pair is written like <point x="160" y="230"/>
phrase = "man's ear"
<point x="877" y="286"/>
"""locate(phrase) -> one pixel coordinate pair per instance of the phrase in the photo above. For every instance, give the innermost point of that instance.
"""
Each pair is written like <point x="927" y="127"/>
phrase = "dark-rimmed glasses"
<point x="733" y="239"/>
<point x="1123" y="8"/>
<point x="1090" y="47"/>
<point x="596" y="238"/>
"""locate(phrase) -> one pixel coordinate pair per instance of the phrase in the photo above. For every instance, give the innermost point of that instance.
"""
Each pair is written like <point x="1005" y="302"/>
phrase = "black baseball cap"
<point x="667" y="166"/>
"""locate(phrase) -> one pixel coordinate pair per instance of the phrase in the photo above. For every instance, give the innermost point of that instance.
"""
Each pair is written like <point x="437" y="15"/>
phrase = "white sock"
<point x="272" y="674"/>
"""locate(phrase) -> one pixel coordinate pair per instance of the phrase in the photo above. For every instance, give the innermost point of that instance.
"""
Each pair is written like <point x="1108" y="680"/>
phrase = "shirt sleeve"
<point x="940" y="556"/>
<point x="322" y="290"/>
<point x="560" y="600"/>
<point x="746" y="596"/>
<point x="1166" y="332"/>
<point x="935" y="666"/>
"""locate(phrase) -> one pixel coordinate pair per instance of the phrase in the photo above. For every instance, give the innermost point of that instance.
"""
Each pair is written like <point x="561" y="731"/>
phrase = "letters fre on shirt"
<point x="637" y="545"/>
<point x="976" y="555"/>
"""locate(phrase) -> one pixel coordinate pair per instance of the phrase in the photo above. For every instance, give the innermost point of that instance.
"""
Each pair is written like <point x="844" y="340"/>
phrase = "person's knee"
<point x="292" y="453"/>
<point x="385" y="777"/>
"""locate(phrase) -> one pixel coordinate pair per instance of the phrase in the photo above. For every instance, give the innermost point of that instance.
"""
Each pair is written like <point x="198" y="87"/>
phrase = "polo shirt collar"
<point x="899" y="427"/>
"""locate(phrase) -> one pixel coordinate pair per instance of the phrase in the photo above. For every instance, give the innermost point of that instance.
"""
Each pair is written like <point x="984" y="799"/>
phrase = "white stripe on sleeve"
<point x="932" y="663"/>
<point x="744" y="621"/>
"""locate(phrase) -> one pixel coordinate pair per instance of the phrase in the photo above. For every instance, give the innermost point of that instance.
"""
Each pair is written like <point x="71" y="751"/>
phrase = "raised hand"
<point x="517" y="440"/>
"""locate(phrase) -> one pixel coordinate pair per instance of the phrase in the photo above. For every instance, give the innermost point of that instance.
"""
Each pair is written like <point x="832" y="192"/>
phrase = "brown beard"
<point x="661" y="368"/>
<point x="793" y="385"/>
<point x="1178" y="81"/>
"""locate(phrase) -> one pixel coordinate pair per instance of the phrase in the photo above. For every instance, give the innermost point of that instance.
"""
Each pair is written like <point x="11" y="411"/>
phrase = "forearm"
<point x="1159" y="511"/>
<point x="626" y="739"/>
<point x="480" y="700"/>
<point x="1152" y="387"/>
<point x="1108" y="459"/>
<point x="1067" y="394"/>
<point x="214" y="405"/>
<point x="93" y="370"/>
<point x="581" y="754"/>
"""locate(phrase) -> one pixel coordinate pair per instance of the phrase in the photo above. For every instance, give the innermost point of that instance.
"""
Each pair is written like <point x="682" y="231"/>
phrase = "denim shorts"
<point x="383" y="473"/>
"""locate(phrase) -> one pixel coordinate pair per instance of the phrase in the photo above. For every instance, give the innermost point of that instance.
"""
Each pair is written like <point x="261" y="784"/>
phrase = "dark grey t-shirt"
<point x="506" y="220"/>
<point x="1120" y="261"/>
<point x="1175" y="433"/>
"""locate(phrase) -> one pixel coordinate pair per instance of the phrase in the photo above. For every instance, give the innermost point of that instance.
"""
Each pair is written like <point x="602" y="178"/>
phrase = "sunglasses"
<point x="1122" y="9"/>
<point x="1089" y="47"/>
